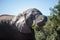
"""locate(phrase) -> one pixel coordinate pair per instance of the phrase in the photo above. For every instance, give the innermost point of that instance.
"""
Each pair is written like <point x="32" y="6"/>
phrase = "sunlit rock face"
<point x="6" y="17"/>
<point x="25" y="20"/>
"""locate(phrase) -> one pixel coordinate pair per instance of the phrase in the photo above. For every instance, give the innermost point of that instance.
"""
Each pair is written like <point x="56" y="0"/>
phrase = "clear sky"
<point x="15" y="7"/>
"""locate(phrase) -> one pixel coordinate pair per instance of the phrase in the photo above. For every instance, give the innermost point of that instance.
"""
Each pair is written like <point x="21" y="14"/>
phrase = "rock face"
<point x="8" y="32"/>
<point x="6" y="17"/>
<point x="20" y="27"/>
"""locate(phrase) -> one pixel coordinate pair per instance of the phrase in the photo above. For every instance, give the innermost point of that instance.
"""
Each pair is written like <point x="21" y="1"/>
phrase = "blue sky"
<point x="14" y="7"/>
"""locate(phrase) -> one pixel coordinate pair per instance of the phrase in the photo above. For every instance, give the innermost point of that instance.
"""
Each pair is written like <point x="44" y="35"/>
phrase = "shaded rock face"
<point x="9" y="32"/>
<point x="20" y="27"/>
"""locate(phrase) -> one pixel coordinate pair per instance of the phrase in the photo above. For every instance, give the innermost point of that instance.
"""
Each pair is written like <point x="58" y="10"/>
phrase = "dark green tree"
<point x="55" y="19"/>
<point x="52" y="27"/>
